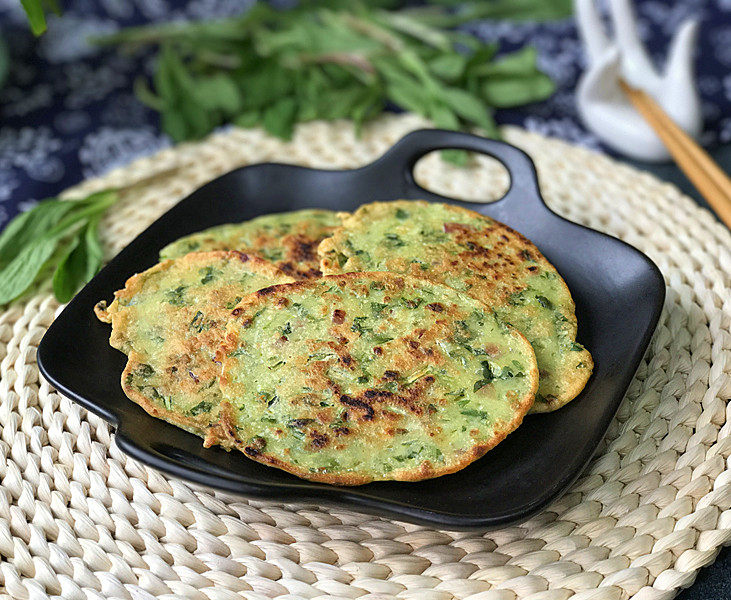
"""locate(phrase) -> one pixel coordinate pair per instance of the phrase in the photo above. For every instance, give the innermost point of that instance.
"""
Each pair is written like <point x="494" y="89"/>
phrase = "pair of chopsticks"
<point x="708" y="178"/>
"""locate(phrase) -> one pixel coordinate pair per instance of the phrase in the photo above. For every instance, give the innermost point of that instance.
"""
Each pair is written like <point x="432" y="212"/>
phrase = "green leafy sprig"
<point x="533" y="10"/>
<point x="331" y="60"/>
<point x="60" y="232"/>
<point x="514" y="10"/>
<point x="35" y="10"/>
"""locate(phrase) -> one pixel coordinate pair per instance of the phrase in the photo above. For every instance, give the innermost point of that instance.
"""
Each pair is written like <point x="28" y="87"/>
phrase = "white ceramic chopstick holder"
<point x="604" y="107"/>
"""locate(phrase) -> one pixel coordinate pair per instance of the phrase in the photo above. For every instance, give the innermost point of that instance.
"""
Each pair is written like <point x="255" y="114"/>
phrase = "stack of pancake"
<point x="399" y="342"/>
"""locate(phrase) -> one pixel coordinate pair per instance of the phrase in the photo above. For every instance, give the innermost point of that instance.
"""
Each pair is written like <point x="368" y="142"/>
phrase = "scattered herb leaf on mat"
<point x="325" y="59"/>
<point x="81" y="262"/>
<point x="31" y="240"/>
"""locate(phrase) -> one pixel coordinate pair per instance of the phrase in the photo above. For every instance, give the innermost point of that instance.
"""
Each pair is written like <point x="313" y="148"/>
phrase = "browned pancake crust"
<point x="288" y="240"/>
<point x="369" y="405"/>
<point x="481" y="257"/>
<point x="170" y="320"/>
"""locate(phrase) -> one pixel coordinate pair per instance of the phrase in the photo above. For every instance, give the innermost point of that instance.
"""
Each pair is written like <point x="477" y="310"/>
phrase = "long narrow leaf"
<point x="21" y="272"/>
<point x="95" y="254"/>
<point x="414" y="28"/>
<point x="31" y="239"/>
<point x="36" y="17"/>
<point x="72" y="263"/>
<point x="29" y="226"/>
<point x="510" y="10"/>
<point x="80" y="263"/>
<point x="520" y="62"/>
<point x="467" y="106"/>
<point x="89" y="207"/>
<point x="504" y="92"/>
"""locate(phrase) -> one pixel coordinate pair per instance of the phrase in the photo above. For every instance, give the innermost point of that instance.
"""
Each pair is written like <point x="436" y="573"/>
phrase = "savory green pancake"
<point x="170" y="321"/>
<point x="371" y="376"/>
<point x="288" y="240"/>
<point x="480" y="257"/>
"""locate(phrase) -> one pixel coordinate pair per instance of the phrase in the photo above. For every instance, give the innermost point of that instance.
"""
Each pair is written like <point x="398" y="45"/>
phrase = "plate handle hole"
<point x="482" y="179"/>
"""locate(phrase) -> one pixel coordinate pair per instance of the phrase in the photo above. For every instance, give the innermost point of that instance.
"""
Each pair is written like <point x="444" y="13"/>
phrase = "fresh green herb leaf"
<point x="514" y="79"/>
<point x="279" y="119"/>
<point x="515" y="64"/>
<point x="459" y="158"/>
<point x="330" y="60"/>
<point x="18" y="275"/>
<point x="449" y="66"/>
<point x="35" y="11"/>
<point x="469" y="107"/>
<point x="173" y="122"/>
<point x="83" y="210"/>
<point x="80" y="263"/>
<point x="27" y="227"/>
<point x="32" y="239"/>
<point x="248" y="119"/>
<point x="515" y="91"/>
<point x="533" y="10"/>
<point x="219" y="92"/>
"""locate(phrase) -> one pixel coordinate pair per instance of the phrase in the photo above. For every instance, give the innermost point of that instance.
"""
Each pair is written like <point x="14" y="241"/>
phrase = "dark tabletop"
<point x="67" y="110"/>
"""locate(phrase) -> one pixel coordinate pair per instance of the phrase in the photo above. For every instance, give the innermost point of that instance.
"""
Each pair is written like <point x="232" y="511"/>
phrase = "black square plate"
<point x="618" y="291"/>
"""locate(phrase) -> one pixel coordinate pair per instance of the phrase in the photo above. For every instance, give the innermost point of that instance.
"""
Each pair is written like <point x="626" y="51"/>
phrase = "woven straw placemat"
<point x="78" y="519"/>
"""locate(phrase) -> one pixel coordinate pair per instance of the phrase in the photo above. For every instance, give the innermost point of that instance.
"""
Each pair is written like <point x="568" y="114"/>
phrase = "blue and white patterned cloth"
<point x="67" y="110"/>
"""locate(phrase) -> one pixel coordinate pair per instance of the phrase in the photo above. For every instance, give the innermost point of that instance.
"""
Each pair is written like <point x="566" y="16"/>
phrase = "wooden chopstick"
<point x="708" y="178"/>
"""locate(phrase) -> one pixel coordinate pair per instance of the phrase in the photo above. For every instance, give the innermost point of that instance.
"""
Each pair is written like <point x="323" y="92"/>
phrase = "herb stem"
<point x="374" y="31"/>
<point x="346" y="59"/>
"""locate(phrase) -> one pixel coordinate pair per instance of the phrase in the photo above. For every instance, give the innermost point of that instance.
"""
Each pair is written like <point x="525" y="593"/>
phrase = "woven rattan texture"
<point x="80" y="520"/>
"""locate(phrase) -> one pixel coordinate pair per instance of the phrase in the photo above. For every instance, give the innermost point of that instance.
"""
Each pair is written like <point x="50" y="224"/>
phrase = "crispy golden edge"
<point x="328" y="267"/>
<point x="297" y="265"/>
<point x="106" y="312"/>
<point x="212" y="432"/>
<point x="224" y="433"/>
<point x="577" y="384"/>
<point x="426" y="469"/>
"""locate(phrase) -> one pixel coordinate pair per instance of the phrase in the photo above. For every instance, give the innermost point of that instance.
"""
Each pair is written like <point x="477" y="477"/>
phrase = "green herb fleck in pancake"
<point x="371" y="376"/>
<point x="480" y="257"/>
<point x="170" y="321"/>
<point x="288" y="240"/>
